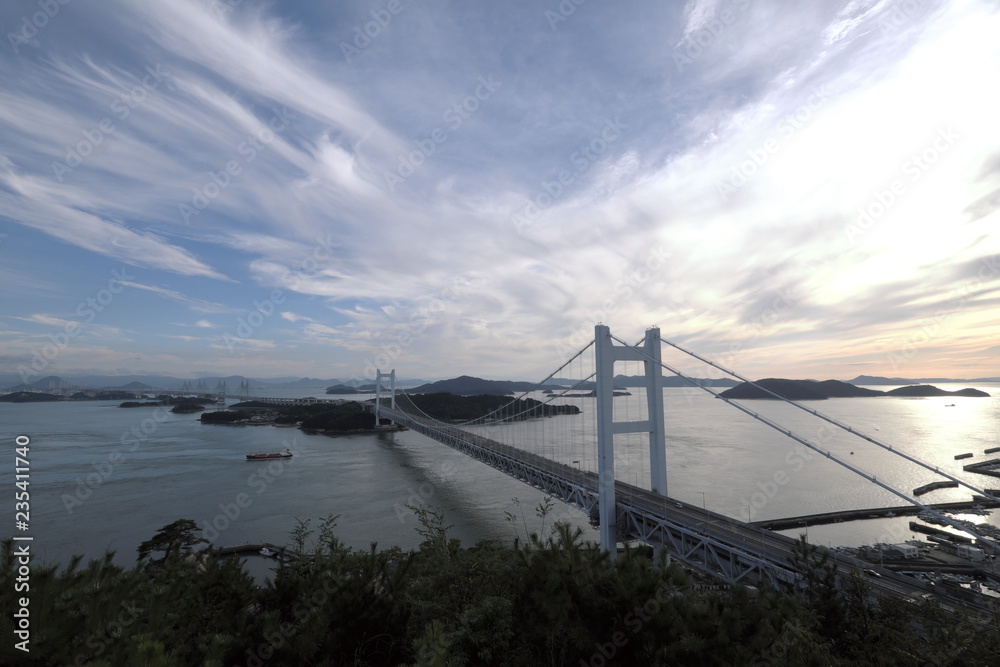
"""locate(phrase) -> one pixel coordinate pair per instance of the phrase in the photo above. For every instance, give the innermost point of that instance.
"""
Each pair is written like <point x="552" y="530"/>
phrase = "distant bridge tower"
<point x="379" y="389"/>
<point x="607" y="353"/>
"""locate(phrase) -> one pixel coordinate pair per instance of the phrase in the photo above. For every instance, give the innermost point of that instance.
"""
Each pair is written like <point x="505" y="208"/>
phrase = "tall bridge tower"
<point x="607" y="353"/>
<point x="379" y="389"/>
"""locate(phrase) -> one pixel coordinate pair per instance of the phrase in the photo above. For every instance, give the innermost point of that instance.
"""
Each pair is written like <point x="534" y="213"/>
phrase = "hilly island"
<point x="812" y="390"/>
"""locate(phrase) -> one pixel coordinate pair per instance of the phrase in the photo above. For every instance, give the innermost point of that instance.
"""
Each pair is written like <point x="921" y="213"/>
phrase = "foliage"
<point x="225" y="416"/>
<point x="173" y="539"/>
<point x="550" y="599"/>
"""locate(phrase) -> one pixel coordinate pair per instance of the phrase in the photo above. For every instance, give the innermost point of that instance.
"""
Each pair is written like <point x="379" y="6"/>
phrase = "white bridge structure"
<point x="634" y="509"/>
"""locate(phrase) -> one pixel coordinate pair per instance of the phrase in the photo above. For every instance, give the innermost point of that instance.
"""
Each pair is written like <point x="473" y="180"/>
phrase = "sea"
<point x="104" y="478"/>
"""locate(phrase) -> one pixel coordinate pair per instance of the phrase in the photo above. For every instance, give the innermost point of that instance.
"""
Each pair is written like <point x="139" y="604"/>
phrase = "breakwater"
<point x="854" y="515"/>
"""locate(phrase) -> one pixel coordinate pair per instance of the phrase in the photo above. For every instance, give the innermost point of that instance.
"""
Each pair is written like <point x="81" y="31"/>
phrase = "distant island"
<point x="811" y="390"/>
<point x="324" y="418"/>
<point x="451" y="407"/>
<point x="466" y="385"/>
<point x="343" y="389"/>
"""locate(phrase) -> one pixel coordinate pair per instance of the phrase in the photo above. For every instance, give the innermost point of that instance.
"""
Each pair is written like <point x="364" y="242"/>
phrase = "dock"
<point x="963" y="456"/>
<point x="251" y="550"/>
<point x="991" y="450"/>
<point x="921" y="490"/>
<point x="931" y="530"/>
<point x="877" y="513"/>
<point x="991" y="467"/>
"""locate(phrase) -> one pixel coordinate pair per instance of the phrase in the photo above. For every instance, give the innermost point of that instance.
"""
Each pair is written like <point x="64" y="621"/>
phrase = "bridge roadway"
<point x="712" y="542"/>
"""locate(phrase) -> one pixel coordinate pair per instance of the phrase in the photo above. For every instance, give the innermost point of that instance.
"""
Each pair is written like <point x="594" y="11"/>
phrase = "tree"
<point x="179" y="536"/>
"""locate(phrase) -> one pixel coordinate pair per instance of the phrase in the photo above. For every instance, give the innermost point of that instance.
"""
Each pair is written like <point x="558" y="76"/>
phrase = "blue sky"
<point x="303" y="188"/>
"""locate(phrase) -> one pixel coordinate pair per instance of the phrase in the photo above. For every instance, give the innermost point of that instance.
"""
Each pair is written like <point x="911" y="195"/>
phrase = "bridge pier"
<point x="606" y="354"/>
<point x="378" y="393"/>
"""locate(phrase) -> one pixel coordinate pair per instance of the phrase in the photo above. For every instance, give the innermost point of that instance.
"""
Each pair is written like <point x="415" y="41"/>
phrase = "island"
<point x="342" y="389"/>
<point x="28" y="397"/>
<point x="325" y="418"/>
<point x="187" y="407"/>
<point x="466" y="385"/>
<point x="444" y="406"/>
<point x="812" y="390"/>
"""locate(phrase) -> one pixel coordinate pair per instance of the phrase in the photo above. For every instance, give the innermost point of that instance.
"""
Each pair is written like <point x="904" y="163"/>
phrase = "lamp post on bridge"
<point x="704" y="507"/>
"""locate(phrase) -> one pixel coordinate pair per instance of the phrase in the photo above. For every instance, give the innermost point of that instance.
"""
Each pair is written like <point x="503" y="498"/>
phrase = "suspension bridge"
<point x="634" y="503"/>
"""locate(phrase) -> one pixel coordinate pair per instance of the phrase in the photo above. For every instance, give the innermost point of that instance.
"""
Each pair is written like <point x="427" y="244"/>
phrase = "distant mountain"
<point x="302" y="382"/>
<point x="838" y="389"/>
<point x="928" y="390"/>
<point x="796" y="390"/>
<point x="673" y="381"/>
<point x="472" y="386"/>
<point x="132" y="386"/>
<point x="810" y="390"/>
<point x="341" y="389"/>
<point x="48" y="382"/>
<point x="876" y="380"/>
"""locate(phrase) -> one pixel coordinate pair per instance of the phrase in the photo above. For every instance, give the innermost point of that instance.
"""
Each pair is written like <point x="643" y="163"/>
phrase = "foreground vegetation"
<point x="551" y="601"/>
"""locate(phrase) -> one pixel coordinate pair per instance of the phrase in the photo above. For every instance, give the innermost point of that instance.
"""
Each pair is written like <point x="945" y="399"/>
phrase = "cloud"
<point x="199" y="305"/>
<point x="759" y="171"/>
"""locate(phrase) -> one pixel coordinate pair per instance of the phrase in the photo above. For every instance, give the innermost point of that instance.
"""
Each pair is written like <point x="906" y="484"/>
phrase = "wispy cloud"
<point x="240" y="162"/>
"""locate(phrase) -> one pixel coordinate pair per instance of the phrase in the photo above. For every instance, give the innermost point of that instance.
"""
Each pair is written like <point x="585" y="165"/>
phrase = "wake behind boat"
<point x="267" y="457"/>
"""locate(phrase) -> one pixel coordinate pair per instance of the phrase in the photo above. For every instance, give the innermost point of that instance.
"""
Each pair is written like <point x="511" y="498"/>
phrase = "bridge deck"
<point x="720" y="545"/>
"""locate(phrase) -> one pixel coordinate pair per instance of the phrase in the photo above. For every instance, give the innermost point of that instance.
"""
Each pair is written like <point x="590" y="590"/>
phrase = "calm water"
<point x="95" y="485"/>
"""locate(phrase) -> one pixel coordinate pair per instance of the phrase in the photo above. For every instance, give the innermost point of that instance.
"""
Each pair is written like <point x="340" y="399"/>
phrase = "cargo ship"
<point x="267" y="457"/>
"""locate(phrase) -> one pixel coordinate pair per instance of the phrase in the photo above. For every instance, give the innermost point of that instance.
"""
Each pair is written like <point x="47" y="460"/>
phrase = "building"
<point x="972" y="553"/>
<point x="907" y="550"/>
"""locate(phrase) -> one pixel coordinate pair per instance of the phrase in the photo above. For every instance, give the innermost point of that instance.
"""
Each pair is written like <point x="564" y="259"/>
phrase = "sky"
<point x="317" y="189"/>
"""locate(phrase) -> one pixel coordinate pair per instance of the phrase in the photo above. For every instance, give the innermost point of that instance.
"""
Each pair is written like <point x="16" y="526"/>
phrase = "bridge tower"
<point x="379" y="389"/>
<point x="607" y="353"/>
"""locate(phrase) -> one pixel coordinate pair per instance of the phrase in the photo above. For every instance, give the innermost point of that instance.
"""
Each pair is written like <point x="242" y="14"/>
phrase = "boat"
<point x="267" y="553"/>
<point x="267" y="457"/>
<point x="950" y="405"/>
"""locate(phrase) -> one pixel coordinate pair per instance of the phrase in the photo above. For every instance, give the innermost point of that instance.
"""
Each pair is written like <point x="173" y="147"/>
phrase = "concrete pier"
<point x="877" y="513"/>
